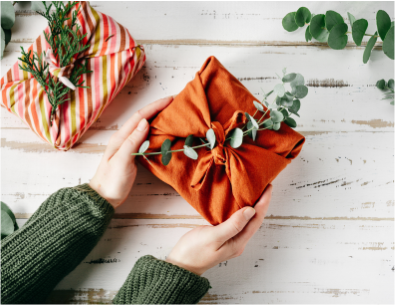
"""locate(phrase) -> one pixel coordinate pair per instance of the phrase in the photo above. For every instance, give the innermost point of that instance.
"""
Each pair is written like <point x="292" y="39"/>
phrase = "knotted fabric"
<point x="224" y="179"/>
<point x="113" y="57"/>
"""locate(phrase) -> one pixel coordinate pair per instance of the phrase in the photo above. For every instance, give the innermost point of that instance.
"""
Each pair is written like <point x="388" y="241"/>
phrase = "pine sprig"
<point x="283" y="106"/>
<point x="65" y="42"/>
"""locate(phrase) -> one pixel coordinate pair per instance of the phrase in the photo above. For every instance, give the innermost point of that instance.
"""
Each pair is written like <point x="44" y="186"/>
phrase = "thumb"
<point x="234" y="225"/>
<point x="133" y="142"/>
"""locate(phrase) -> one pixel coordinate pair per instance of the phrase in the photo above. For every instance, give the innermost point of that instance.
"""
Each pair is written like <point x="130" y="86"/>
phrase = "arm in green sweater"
<point x="60" y="234"/>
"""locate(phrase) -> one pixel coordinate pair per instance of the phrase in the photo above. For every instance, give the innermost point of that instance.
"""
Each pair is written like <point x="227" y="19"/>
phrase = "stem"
<point x="159" y="153"/>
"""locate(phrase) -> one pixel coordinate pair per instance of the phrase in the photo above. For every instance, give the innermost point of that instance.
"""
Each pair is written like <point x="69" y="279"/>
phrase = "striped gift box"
<point x="114" y="58"/>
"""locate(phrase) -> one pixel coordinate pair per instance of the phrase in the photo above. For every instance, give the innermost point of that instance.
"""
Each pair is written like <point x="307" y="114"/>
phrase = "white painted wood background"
<point x="329" y="234"/>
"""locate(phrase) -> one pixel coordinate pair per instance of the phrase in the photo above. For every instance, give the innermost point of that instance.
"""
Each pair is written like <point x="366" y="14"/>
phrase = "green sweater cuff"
<point x="154" y="281"/>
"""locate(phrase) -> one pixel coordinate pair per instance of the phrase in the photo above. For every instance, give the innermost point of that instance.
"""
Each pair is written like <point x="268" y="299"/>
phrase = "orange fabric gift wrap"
<point x="224" y="179"/>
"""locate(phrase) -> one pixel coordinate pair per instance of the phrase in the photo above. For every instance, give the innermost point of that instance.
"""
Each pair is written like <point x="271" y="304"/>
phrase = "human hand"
<point x="117" y="171"/>
<point x="206" y="246"/>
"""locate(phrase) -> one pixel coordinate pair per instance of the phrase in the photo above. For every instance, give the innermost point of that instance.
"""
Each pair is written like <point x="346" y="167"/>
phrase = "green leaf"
<point x="254" y="133"/>
<point x="210" y="136"/>
<point x="290" y="122"/>
<point x="6" y="209"/>
<point x="302" y="16"/>
<point x="276" y="126"/>
<point x="7" y="15"/>
<point x="2" y="42"/>
<point x="276" y="116"/>
<point x="189" y="140"/>
<point x="236" y="137"/>
<point x="337" y="39"/>
<point x="279" y="90"/>
<point x="391" y="84"/>
<point x="289" y="77"/>
<point x="269" y="94"/>
<point x="369" y="47"/>
<point x="383" y="22"/>
<point x="166" y="158"/>
<point x="295" y="107"/>
<point x="258" y="106"/>
<point x="8" y="221"/>
<point x="287" y="100"/>
<point x="166" y="145"/>
<point x="388" y="44"/>
<point x="252" y="120"/>
<point x="307" y="34"/>
<point x="351" y="18"/>
<point x="358" y="30"/>
<point x="317" y="28"/>
<point x="285" y="113"/>
<point x="7" y="36"/>
<point x="301" y="91"/>
<point x="380" y="84"/>
<point x="268" y="123"/>
<point x="190" y="152"/>
<point x="331" y="19"/>
<point x="299" y="80"/>
<point x="144" y="146"/>
<point x="289" y="23"/>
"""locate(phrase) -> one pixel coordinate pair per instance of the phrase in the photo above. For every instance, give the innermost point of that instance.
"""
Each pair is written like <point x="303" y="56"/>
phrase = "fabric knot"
<point x="218" y="151"/>
<point x="62" y="73"/>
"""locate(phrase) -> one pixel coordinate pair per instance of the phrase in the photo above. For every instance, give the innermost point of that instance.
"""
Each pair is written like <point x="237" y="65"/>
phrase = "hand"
<point x="117" y="170"/>
<point x="206" y="246"/>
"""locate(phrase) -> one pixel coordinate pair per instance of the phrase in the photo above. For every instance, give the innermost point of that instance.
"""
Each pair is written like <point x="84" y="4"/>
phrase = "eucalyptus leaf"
<point x="210" y="136"/>
<point x="391" y="84"/>
<point x="317" y="28"/>
<point x="285" y="113"/>
<point x="332" y="19"/>
<point x="351" y="18"/>
<point x="290" y="122"/>
<point x="337" y="39"/>
<point x="7" y="226"/>
<point x="254" y="133"/>
<point x="299" y="80"/>
<point x="302" y="16"/>
<point x="278" y="101"/>
<point x="295" y="107"/>
<point x="289" y="77"/>
<point x="301" y="91"/>
<point x="190" y="152"/>
<point x="276" y="126"/>
<point x="270" y="92"/>
<point x="268" y="123"/>
<point x="2" y="42"/>
<point x="289" y="23"/>
<point x="358" y="30"/>
<point x="252" y="120"/>
<point x="258" y="106"/>
<point x="166" y="158"/>
<point x="276" y="116"/>
<point x="307" y="34"/>
<point x="236" y="137"/>
<point x="166" y="145"/>
<point x="286" y="101"/>
<point x="369" y="47"/>
<point x="189" y="140"/>
<point x="383" y="22"/>
<point x="6" y="209"/>
<point x="7" y="15"/>
<point x="380" y="84"/>
<point x="279" y="90"/>
<point x="143" y="148"/>
<point x="8" y="35"/>
<point x="249" y="128"/>
<point x="388" y="44"/>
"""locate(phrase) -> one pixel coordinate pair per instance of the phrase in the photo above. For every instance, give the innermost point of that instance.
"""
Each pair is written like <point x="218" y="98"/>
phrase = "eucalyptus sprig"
<point x="65" y="43"/>
<point x="284" y="105"/>
<point x="332" y="29"/>
<point x="387" y="88"/>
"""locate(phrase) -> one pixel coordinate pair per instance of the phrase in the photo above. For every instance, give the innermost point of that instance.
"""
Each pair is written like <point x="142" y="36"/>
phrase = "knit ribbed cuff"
<point x="154" y="281"/>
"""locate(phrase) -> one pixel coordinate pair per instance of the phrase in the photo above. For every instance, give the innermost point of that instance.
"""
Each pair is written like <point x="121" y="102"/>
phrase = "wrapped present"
<point x="224" y="179"/>
<point x="112" y="56"/>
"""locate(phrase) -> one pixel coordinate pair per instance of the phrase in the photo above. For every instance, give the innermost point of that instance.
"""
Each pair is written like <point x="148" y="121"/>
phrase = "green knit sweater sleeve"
<point x="154" y="281"/>
<point x="58" y="236"/>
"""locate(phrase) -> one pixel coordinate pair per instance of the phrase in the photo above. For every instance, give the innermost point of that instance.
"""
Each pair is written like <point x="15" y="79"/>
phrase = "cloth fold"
<point x="224" y="179"/>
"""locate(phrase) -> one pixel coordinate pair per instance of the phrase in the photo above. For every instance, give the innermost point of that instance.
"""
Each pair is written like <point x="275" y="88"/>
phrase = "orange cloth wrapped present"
<point x="223" y="180"/>
<point x="114" y="59"/>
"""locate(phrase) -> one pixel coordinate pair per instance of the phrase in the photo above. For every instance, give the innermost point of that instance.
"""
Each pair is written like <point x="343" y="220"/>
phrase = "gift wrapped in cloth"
<point x="113" y="57"/>
<point x="224" y="179"/>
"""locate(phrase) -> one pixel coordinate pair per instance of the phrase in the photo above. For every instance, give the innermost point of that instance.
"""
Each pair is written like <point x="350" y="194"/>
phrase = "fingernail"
<point x="142" y="125"/>
<point x="248" y="213"/>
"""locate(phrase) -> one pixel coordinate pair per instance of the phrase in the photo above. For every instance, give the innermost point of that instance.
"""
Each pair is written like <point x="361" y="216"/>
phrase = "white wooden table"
<point x="329" y="233"/>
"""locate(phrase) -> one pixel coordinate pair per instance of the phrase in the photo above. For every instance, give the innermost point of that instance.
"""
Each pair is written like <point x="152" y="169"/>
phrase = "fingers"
<point x="132" y="143"/>
<point x="234" y="225"/>
<point x="261" y="209"/>
<point x="147" y="112"/>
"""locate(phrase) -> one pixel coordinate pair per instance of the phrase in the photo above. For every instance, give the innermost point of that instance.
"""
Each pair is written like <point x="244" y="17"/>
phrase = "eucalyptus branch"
<point x="387" y="88"/>
<point x="283" y="106"/>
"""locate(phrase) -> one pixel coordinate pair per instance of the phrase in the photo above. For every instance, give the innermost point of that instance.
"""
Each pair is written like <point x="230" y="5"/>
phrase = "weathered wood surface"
<point x="328" y="237"/>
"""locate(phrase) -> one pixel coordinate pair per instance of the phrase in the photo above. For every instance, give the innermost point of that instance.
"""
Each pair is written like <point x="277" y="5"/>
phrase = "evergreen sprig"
<point x="285" y="104"/>
<point x="332" y="29"/>
<point x="65" y="42"/>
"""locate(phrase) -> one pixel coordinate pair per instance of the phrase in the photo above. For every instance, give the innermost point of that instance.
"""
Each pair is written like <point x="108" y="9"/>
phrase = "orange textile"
<point x="223" y="180"/>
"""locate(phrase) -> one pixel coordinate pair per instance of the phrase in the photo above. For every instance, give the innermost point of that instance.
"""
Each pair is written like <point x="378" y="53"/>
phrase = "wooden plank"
<point x="202" y="23"/>
<point x="287" y="261"/>
<point x="336" y="175"/>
